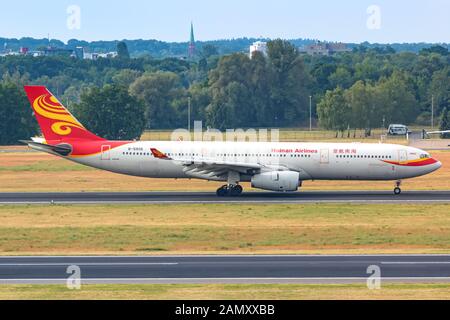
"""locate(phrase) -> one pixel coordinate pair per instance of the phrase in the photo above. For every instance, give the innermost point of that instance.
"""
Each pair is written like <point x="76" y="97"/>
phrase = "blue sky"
<point x="344" y="20"/>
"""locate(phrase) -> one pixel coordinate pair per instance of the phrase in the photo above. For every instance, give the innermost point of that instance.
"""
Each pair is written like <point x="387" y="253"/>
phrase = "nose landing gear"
<point x="230" y="191"/>
<point x="398" y="190"/>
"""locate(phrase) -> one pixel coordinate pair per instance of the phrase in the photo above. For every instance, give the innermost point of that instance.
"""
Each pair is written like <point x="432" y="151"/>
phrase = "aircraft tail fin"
<point x="55" y="121"/>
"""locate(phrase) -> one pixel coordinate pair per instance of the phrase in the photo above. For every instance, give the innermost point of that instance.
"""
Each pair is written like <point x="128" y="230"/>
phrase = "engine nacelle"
<point x="282" y="181"/>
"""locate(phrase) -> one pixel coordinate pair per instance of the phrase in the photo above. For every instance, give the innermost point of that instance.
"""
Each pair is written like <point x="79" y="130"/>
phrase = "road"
<point x="225" y="269"/>
<point x="249" y="197"/>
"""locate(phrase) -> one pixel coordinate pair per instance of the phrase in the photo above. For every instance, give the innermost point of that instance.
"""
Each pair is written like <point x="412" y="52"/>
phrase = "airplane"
<point x="427" y="134"/>
<point x="271" y="166"/>
<point x="438" y="132"/>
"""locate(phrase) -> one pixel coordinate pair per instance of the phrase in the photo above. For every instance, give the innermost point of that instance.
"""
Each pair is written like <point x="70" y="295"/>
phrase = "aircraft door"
<point x="402" y="156"/>
<point x="324" y="156"/>
<point x="106" y="152"/>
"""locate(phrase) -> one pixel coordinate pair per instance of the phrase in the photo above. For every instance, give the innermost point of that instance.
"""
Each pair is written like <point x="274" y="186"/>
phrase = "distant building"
<point x="90" y="56"/>
<point x="23" y="50"/>
<point x="108" y="55"/>
<point x="95" y="56"/>
<point x="258" y="46"/>
<point x="79" y="53"/>
<point x="36" y="54"/>
<point x="5" y="51"/>
<point x="191" y="49"/>
<point x="52" y="52"/>
<point x="325" y="48"/>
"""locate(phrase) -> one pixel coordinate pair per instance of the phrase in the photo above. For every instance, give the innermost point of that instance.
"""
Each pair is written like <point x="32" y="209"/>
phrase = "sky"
<point x="382" y="21"/>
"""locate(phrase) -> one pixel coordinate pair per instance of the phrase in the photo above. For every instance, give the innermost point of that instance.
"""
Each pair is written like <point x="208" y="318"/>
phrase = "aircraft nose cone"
<point x="439" y="164"/>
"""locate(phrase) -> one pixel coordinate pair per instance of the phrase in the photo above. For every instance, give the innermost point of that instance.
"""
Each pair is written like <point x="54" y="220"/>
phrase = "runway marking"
<point x="237" y="279"/>
<point x="415" y="262"/>
<point x="88" y="264"/>
<point x="225" y="202"/>
<point x="167" y="198"/>
<point x="234" y="256"/>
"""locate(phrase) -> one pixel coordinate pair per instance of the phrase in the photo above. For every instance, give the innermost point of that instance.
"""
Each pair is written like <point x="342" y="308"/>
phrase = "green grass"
<point x="47" y="166"/>
<point x="312" y="228"/>
<point x="231" y="292"/>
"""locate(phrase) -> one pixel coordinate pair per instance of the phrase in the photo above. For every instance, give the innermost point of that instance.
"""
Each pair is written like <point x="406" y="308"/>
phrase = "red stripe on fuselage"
<point x="424" y="162"/>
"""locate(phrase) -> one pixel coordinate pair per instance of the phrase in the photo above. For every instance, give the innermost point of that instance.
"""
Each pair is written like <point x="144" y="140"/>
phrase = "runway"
<point x="225" y="269"/>
<point x="249" y="197"/>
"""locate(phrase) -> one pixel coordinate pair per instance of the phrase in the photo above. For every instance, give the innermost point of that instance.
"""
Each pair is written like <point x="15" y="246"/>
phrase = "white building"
<point x="95" y="56"/>
<point x="108" y="55"/>
<point x="258" y="46"/>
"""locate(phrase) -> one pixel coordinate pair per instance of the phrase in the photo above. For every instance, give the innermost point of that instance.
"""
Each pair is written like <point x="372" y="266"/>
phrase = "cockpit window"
<point x="424" y="156"/>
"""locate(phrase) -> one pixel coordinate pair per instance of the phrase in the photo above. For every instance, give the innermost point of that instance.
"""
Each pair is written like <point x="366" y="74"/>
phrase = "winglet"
<point x="159" y="155"/>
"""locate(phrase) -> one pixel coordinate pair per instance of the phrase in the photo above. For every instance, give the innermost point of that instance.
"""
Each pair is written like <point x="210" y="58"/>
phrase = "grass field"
<point x="227" y="292"/>
<point x="22" y="171"/>
<point x="224" y="229"/>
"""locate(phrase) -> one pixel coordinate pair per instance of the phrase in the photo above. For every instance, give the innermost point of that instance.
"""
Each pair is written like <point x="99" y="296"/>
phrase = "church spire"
<point x="191" y="51"/>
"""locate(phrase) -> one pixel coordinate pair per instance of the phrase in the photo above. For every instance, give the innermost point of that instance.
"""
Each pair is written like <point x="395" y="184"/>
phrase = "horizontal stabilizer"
<point x="60" y="149"/>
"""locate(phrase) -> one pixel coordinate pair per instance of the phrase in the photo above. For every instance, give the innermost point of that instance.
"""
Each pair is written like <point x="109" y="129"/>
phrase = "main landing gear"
<point x="232" y="188"/>
<point x="397" y="190"/>
<point x="230" y="191"/>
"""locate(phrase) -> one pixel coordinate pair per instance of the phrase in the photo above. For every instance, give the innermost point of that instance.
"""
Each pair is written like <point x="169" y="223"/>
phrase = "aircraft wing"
<point x="213" y="169"/>
<point x="216" y="170"/>
<point x="439" y="132"/>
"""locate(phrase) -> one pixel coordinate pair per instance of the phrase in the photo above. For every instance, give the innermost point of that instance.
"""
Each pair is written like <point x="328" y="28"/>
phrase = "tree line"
<point x="120" y="97"/>
<point x="162" y="49"/>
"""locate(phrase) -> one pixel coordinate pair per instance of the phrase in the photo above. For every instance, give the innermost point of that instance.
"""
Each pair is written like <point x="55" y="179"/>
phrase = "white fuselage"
<point x="314" y="161"/>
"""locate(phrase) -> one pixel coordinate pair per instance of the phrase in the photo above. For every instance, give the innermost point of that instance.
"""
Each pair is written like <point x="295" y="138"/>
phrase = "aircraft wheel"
<point x="222" y="191"/>
<point x="236" y="190"/>
<point x="397" y="191"/>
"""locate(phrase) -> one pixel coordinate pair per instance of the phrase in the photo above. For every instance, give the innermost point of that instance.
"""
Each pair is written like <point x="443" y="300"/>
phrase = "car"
<point x="398" y="130"/>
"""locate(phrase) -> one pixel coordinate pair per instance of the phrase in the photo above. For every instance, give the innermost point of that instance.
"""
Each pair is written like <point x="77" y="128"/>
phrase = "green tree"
<point x="445" y="123"/>
<point x="440" y="88"/>
<point x="289" y="84"/>
<point x="209" y="50"/>
<point x="17" y="122"/>
<point x="333" y="111"/>
<point x="396" y="100"/>
<point x="368" y="69"/>
<point x="341" y="77"/>
<point x="231" y="105"/>
<point x="122" y="50"/>
<point x="159" y="91"/>
<point x="111" y="113"/>
<point x="126" y="77"/>
<point x="435" y="49"/>
<point x="200" y="99"/>
<point x="261" y="84"/>
<point x="366" y="113"/>
<point x="321" y="70"/>
<point x="71" y="97"/>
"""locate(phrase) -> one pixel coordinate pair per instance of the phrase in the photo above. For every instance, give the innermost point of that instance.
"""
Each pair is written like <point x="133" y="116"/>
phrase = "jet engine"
<point x="281" y="181"/>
